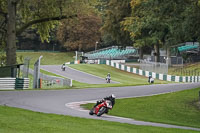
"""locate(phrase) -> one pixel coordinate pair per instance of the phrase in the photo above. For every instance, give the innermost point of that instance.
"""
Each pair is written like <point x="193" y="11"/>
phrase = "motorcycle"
<point x="101" y="108"/>
<point x="108" y="80"/>
<point x="63" y="68"/>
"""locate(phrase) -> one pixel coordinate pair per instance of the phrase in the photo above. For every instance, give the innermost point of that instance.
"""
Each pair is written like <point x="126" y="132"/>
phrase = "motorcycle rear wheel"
<point x="91" y="112"/>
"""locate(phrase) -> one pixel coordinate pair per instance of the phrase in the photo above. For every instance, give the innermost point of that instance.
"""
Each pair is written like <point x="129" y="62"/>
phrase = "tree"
<point x="115" y="13"/>
<point x="191" y="23"/>
<point x="42" y="15"/>
<point x="81" y="33"/>
<point x="157" y="23"/>
<point x="141" y="26"/>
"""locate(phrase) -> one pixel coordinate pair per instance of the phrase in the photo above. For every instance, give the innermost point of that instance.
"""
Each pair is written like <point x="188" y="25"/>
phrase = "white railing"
<point x="14" y="83"/>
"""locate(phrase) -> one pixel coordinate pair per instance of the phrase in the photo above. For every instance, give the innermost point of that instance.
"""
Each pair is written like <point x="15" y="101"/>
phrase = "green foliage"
<point x="2" y="58"/>
<point x="115" y="13"/>
<point x="191" y="23"/>
<point x="3" y="4"/>
<point x="162" y="22"/>
<point x="34" y="10"/>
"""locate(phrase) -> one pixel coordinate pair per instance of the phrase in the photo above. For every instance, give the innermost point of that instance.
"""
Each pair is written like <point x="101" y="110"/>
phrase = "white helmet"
<point x="113" y="96"/>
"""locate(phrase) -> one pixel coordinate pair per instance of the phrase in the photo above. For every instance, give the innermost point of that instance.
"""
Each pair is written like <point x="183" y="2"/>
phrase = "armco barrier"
<point x="153" y="74"/>
<point x="14" y="83"/>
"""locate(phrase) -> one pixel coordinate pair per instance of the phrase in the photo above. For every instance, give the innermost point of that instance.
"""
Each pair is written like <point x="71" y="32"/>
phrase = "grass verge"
<point x="15" y="120"/>
<point x="49" y="58"/>
<point x="178" y="108"/>
<point x="125" y="78"/>
<point x="185" y="70"/>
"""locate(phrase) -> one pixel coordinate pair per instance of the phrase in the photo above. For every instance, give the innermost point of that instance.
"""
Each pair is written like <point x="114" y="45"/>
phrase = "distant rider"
<point x="108" y="78"/>
<point x="63" y="67"/>
<point x="150" y="79"/>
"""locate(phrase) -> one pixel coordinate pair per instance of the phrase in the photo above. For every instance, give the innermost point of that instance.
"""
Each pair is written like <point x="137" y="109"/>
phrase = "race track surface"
<point x="66" y="102"/>
<point x="75" y="74"/>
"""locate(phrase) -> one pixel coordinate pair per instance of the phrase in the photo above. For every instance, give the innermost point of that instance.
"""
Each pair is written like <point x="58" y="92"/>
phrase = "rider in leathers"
<point x="111" y="98"/>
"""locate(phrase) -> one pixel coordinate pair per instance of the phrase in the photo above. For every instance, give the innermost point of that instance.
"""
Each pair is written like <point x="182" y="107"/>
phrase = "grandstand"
<point x="113" y="52"/>
<point x="189" y="47"/>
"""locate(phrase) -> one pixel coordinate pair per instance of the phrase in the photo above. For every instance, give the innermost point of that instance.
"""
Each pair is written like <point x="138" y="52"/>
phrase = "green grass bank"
<point x="123" y="77"/>
<point x="178" y="108"/>
<point x="15" y="120"/>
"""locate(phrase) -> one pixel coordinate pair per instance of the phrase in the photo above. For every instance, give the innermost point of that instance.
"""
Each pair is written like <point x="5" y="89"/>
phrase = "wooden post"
<point x="40" y="83"/>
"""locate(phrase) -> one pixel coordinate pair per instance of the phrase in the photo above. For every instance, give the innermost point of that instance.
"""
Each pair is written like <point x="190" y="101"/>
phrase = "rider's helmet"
<point x="113" y="96"/>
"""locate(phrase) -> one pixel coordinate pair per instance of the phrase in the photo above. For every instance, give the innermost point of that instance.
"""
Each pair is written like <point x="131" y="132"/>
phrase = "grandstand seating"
<point x="187" y="47"/>
<point x="111" y="53"/>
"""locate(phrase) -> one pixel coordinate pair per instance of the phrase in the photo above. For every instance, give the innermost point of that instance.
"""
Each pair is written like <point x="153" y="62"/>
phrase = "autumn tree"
<point x="81" y="33"/>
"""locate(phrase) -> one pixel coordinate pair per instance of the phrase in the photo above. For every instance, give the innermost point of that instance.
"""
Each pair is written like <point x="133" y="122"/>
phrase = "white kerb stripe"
<point x="117" y="65"/>
<point x="107" y="62"/>
<point x="161" y="76"/>
<point x="192" y="78"/>
<point x="122" y="67"/>
<point x="112" y="64"/>
<point x="147" y="74"/>
<point x="169" y="78"/>
<point x="153" y="75"/>
<point x="184" y="79"/>
<point x="140" y="72"/>
<point x="195" y="78"/>
<point x="134" y="70"/>
<point x="177" y="78"/>
<point x="128" y="69"/>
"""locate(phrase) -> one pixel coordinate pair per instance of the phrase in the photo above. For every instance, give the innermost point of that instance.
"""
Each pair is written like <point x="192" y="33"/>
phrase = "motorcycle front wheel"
<point x="102" y="110"/>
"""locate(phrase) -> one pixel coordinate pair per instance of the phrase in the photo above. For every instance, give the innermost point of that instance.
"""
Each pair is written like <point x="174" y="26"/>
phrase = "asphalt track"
<point x="75" y="74"/>
<point x="66" y="102"/>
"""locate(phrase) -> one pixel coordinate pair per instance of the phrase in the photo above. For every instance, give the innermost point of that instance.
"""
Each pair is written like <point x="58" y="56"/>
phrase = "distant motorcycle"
<point x="108" y="80"/>
<point x="101" y="108"/>
<point x="63" y="67"/>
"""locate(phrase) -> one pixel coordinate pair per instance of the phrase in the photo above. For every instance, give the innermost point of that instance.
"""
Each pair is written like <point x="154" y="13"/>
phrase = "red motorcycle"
<point x="101" y="108"/>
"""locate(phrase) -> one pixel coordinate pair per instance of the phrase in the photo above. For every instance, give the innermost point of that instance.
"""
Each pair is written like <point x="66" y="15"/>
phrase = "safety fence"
<point x="154" y="75"/>
<point x="14" y="83"/>
<point x="154" y="66"/>
<point x="47" y="81"/>
<point x="97" y="61"/>
<point x="53" y="81"/>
